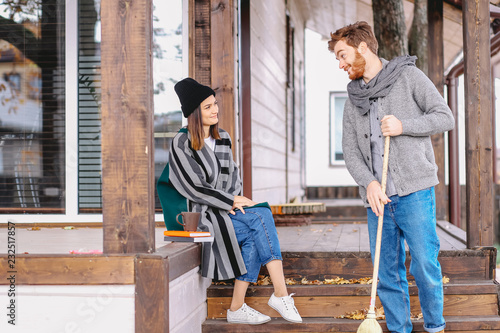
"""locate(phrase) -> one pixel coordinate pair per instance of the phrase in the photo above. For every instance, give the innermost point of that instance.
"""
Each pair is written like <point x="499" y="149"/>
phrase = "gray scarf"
<point x="360" y="93"/>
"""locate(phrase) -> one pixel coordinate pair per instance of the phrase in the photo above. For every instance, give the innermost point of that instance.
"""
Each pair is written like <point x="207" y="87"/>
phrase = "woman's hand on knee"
<point x="240" y="202"/>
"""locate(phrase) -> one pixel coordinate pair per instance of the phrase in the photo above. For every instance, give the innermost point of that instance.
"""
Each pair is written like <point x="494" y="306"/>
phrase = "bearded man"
<point x="394" y="98"/>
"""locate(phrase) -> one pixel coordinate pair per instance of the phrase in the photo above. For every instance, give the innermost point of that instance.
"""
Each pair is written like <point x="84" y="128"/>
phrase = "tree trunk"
<point x="389" y="28"/>
<point x="417" y="40"/>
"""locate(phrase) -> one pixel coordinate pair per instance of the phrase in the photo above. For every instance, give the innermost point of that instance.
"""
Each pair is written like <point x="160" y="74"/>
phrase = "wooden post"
<point x="201" y="60"/>
<point x="152" y="294"/>
<point x="222" y="49"/>
<point x="127" y="126"/>
<point x="478" y="122"/>
<point x="246" y="99"/>
<point x="436" y="74"/>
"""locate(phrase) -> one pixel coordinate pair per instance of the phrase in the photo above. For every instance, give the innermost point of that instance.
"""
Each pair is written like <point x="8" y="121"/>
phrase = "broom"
<point x="370" y="324"/>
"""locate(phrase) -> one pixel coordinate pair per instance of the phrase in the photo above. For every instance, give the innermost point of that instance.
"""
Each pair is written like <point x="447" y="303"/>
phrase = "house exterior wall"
<point x="322" y="77"/>
<point x="59" y="309"/>
<point x="296" y="149"/>
<point x="102" y="308"/>
<point x="274" y="165"/>
<point x="188" y="302"/>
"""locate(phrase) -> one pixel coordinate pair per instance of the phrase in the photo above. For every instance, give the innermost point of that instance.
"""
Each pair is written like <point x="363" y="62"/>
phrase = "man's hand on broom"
<point x="376" y="197"/>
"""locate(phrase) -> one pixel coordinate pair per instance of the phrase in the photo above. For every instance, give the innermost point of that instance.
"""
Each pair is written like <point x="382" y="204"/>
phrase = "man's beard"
<point x="357" y="67"/>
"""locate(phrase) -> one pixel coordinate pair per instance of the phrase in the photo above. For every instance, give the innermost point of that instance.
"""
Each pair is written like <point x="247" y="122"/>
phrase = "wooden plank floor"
<point x="313" y="238"/>
<point x="344" y="237"/>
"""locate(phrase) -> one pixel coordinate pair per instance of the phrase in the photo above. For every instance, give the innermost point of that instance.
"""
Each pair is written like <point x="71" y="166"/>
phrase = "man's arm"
<point x="436" y="117"/>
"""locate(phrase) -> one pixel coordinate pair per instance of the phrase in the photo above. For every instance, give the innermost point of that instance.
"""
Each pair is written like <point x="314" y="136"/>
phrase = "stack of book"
<point x="187" y="236"/>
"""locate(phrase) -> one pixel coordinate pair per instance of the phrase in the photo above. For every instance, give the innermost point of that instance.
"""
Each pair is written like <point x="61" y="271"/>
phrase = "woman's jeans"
<point x="411" y="218"/>
<point x="258" y="239"/>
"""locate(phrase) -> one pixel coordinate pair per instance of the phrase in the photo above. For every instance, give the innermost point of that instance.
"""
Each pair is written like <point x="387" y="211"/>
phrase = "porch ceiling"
<point x="325" y="16"/>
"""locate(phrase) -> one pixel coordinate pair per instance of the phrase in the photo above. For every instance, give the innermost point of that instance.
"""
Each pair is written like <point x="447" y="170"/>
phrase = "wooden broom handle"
<point x="379" y="228"/>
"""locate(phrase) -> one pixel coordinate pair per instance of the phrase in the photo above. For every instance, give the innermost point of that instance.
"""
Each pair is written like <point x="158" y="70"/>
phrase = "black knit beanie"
<point x="191" y="94"/>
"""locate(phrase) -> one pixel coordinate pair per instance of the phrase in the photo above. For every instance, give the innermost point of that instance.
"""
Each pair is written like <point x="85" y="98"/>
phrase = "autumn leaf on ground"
<point x="379" y="313"/>
<point x="416" y="317"/>
<point x="361" y="314"/>
<point x="365" y="280"/>
<point x="355" y="315"/>
<point x="337" y="280"/>
<point x="222" y="283"/>
<point x="265" y="281"/>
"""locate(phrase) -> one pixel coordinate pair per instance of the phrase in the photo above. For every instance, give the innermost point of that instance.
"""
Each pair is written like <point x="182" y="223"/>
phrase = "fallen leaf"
<point x="416" y="317"/>
<point x="264" y="281"/>
<point x="361" y="314"/>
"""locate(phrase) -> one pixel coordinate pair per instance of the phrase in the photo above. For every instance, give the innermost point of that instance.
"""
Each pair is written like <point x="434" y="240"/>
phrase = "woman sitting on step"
<point x="245" y="237"/>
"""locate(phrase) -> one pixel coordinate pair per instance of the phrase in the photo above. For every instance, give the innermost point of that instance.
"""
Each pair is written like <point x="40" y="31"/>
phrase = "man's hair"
<point x="195" y="128"/>
<point x="353" y="35"/>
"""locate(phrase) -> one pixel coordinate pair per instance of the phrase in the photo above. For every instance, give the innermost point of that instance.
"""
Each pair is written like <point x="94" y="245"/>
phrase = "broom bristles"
<point x="370" y="326"/>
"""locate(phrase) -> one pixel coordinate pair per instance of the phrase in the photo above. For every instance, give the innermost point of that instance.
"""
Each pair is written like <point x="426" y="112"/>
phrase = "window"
<point x="32" y="112"/>
<point x="337" y="101"/>
<point x="170" y="64"/>
<point x="89" y="107"/>
<point x="50" y="105"/>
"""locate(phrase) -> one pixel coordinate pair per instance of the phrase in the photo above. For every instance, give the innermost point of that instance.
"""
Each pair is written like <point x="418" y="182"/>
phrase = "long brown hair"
<point x="195" y="128"/>
<point x="353" y="35"/>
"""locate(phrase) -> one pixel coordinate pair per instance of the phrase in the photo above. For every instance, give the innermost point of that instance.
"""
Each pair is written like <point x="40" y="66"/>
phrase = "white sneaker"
<point x="286" y="308"/>
<point x="246" y="315"/>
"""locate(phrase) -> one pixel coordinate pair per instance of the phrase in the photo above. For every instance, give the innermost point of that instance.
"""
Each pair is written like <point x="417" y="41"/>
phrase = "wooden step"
<point x="460" y="299"/>
<point x="338" y="210"/>
<point x="457" y="265"/>
<point x="456" y="324"/>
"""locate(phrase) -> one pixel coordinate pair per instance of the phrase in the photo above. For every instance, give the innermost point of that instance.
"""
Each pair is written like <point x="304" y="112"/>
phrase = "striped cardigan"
<point x="210" y="180"/>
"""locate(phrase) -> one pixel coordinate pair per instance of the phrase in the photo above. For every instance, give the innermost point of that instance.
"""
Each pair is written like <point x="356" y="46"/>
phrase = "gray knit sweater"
<point x="415" y="101"/>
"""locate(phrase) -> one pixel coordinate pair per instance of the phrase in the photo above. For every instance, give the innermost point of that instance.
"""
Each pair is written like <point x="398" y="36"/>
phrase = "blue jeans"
<point x="258" y="240"/>
<point x="411" y="218"/>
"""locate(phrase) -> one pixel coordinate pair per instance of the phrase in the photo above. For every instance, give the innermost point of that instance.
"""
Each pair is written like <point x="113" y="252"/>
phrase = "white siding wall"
<point x="101" y="309"/>
<point x="296" y="159"/>
<point x="75" y="309"/>
<point x="269" y="105"/>
<point x="268" y="62"/>
<point x="188" y="302"/>
<point x="322" y="76"/>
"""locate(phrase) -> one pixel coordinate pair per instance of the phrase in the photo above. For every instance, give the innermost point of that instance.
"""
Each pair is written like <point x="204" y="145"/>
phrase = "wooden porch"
<point x="133" y="252"/>
<point x="317" y="253"/>
<point x="313" y="252"/>
<point x="317" y="237"/>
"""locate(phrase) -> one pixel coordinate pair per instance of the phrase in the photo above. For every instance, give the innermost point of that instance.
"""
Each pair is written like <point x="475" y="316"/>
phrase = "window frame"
<point x="71" y="214"/>
<point x="333" y="162"/>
